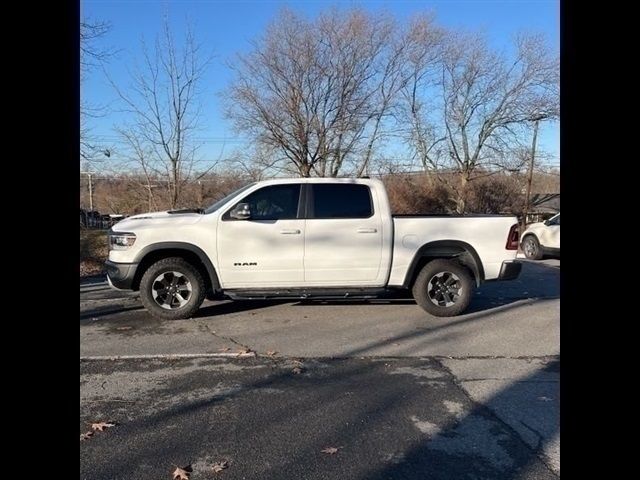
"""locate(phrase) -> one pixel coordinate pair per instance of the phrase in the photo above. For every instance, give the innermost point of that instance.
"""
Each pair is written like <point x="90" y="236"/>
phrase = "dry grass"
<point x="93" y="251"/>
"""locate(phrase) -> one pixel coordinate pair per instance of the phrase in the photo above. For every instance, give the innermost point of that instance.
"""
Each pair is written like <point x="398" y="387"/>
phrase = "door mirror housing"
<point x="241" y="212"/>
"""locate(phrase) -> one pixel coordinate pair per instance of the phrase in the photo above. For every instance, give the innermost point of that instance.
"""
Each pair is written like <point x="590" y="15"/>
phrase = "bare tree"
<point x="164" y="103"/>
<point x="92" y="55"/>
<point x="475" y="115"/>
<point x="417" y="44"/>
<point x="256" y="162"/>
<point x="318" y="92"/>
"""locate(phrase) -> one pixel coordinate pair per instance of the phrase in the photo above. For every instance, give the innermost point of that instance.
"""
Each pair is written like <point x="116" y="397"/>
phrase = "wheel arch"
<point x="530" y="234"/>
<point x="191" y="253"/>
<point x="446" y="249"/>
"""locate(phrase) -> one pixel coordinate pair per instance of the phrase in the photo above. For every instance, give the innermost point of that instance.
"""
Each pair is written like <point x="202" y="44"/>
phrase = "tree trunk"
<point x="461" y="201"/>
<point x="305" y="170"/>
<point x="175" y="194"/>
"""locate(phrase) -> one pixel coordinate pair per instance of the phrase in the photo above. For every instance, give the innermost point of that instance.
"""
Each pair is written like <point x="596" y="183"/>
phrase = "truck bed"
<point x="449" y="215"/>
<point x="486" y="234"/>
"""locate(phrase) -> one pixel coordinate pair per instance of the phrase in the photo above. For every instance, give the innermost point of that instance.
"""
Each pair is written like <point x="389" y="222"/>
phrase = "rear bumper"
<point x="120" y="275"/>
<point x="510" y="270"/>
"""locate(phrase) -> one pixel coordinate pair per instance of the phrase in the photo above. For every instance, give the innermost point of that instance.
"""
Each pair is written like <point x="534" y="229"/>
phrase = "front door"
<point x="550" y="236"/>
<point x="267" y="249"/>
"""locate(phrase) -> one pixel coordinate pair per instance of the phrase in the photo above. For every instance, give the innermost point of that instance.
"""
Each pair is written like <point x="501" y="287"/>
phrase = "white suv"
<point x="542" y="238"/>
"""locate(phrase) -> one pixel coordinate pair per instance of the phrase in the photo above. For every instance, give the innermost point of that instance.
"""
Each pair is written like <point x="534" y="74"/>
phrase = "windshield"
<point x="221" y="202"/>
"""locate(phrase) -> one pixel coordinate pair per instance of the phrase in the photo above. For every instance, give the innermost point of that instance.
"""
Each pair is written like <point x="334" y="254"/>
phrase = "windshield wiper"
<point x="188" y="210"/>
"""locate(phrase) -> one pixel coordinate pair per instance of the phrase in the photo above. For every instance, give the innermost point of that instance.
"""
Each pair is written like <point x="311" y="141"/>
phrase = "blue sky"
<point x="225" y="27"/>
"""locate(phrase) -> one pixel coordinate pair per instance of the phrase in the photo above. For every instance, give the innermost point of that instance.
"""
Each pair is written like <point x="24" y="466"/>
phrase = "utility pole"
<point x="88" y="174"/>
<point x="90" y="193"/>
<point x="535" y="119"/>
<point x="107" y="153"/>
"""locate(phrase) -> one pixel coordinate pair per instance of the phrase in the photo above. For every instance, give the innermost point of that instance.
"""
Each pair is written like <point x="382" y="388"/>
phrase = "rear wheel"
<point x="172" y="289"/>
<point x="531" y="248"/>
<point x="443" y="288"/>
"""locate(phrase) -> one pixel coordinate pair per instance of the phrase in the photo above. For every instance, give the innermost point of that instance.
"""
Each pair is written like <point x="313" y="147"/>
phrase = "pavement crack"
<point x="230" y="339"/>
<point x="537" y="451"/>
<point x="539" y="447"/>
<point x="465" y="380"/>
<point x="494" y="357"/>
<point x="537" y="433"/>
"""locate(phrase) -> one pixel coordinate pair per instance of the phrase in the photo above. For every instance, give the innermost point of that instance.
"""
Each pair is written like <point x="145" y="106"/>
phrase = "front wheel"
<point x="443" y="288"/>
<point x="531" y="248"/>
<point x="172" y="289"/>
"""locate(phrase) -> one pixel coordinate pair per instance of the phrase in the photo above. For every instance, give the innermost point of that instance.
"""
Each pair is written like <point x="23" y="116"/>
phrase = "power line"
<point x="116" y="139"/>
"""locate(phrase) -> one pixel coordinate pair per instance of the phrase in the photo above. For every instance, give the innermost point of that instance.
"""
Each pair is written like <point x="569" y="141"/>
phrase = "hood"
<point x="157" y="219"/>
<point x="535" y="225"/>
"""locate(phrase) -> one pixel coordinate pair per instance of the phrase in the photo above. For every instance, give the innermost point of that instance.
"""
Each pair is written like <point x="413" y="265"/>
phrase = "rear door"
<point x="343" y="237"/>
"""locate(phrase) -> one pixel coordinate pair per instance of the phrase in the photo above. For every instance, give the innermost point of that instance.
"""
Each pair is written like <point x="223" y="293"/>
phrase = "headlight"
<point x="121" y="241"/>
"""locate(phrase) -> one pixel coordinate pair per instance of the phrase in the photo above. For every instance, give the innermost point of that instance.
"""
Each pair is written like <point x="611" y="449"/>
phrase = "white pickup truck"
<point x="308" y="239"/>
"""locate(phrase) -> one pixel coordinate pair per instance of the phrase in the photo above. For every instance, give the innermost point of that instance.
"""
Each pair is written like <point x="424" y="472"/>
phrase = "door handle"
<point x="367" y="230"/>
<point x="290" y="232"/>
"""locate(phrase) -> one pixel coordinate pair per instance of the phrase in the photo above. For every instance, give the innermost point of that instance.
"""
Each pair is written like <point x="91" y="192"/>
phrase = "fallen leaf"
<point x="297" y="370"/>
<point x="224" y="349"/>
<point x="86" y="435"/>
<point x="182" y="473"/>
<point x="271" y="353"/>
<point x="126" y="327"/>
<point x="244" y="350"/>
<point x="219" y="466"/>
<point x="100" y="426"/>
<point x="330" y="450"/>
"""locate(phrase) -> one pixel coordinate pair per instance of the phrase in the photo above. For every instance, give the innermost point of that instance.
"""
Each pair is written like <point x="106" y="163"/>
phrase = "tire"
<point x="531" y="248"/>
<point x="172" y="289"/>
<point x="432" y="277"/>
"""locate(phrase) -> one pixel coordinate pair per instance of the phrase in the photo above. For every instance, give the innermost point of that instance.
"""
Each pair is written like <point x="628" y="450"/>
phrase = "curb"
<point x="166" y="356"/>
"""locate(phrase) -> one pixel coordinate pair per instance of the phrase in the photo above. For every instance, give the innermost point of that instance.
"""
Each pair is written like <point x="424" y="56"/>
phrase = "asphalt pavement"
<point x="266" y="386"/>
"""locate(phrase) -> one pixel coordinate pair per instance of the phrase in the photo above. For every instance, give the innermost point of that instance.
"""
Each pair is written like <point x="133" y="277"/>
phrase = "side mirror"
<point x="546" y="222"/>
<point x="241" y="212"/>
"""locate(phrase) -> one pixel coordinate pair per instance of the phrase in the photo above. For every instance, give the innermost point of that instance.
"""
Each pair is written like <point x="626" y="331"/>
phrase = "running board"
<point x="306" y="293"/>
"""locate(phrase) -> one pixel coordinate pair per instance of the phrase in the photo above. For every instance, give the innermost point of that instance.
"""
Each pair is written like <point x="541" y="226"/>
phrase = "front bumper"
<point x="120" y="275"/>
<point x="510" y="270"/>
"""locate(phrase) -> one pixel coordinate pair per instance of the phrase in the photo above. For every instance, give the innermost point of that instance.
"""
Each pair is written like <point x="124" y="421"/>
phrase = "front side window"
<point x="277" y="202"/>
<point x="340" y="200"/>
<point x="224" y="200"/>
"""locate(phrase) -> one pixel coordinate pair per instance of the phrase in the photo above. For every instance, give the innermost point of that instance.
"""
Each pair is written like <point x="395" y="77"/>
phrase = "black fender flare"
<point x="155" y="247"/>
<point x="445" y="249"/>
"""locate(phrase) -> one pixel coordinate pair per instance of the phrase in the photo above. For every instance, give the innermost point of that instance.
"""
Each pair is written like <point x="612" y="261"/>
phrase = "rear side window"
<point x="335" y="200"/>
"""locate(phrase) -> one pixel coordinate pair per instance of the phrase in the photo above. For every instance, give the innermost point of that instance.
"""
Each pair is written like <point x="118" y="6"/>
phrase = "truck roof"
<point x="319" y="180"/>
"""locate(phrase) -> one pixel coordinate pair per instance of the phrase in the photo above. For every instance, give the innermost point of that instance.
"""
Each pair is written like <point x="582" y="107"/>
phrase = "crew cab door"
<point x="343" y="238"/>
<point x="266" y="249"/>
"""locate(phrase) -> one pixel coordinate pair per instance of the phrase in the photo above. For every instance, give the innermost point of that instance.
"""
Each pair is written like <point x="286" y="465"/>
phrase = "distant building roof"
<point x="545" y="203"/>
